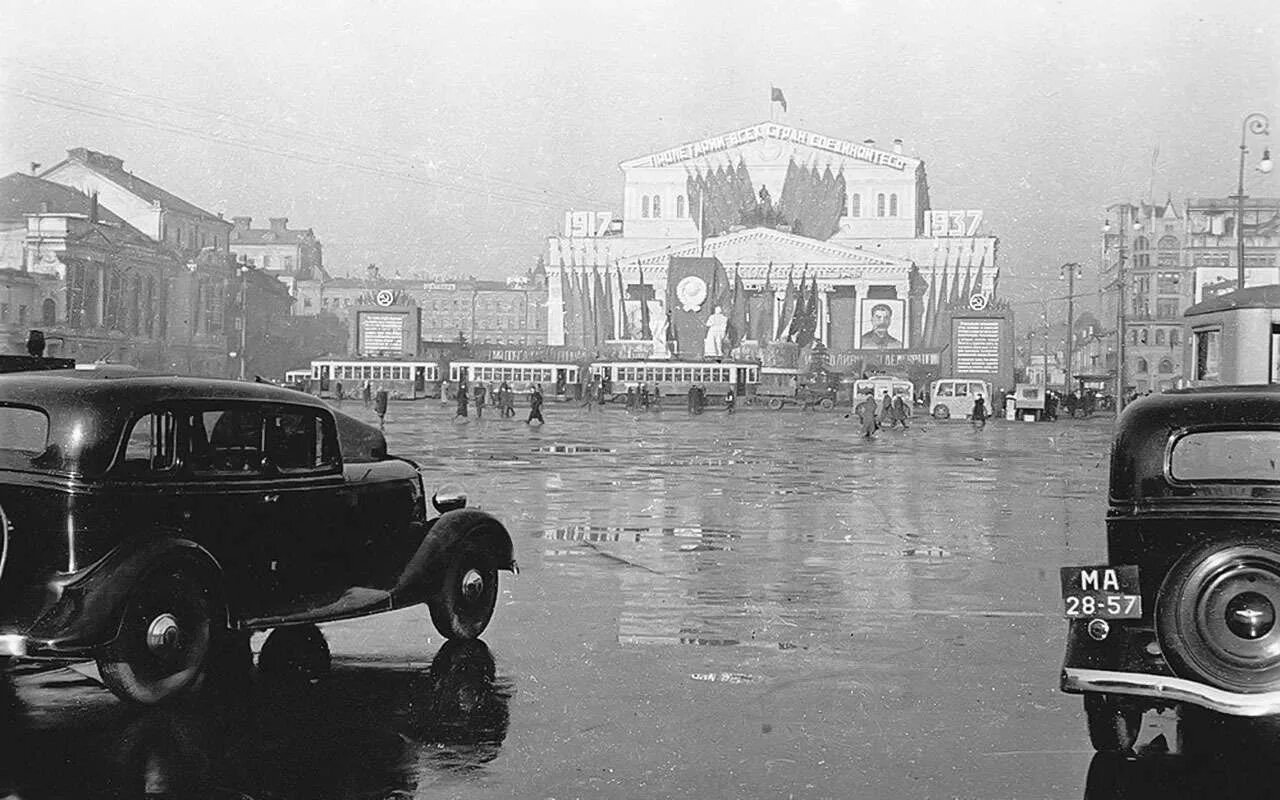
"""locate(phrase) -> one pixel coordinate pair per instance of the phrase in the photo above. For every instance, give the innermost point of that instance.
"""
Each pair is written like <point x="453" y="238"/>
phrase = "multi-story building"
<point x="291" y="254"/>
<point x="883" y="269"/>
<point x="1144" y="244"/>
<point x="510" y="312"/>
<point x="161" y="215"/>
<point x="1211" y="252"/>
<point x="97" y="286"/>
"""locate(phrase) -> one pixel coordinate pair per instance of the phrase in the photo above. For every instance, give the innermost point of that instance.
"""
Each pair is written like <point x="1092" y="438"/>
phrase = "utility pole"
<point x="1070" y="272"/>
<point x="1257" y="124"/>
<point x="1122" y="220"/>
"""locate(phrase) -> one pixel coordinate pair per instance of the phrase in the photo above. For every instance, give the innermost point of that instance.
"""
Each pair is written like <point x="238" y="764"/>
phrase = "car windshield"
<point x="24" y="434"/>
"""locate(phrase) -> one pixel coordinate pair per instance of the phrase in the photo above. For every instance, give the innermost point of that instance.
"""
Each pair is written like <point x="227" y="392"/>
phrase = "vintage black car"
<point x="145" y="520"/>
<point x="1184" y="612"/>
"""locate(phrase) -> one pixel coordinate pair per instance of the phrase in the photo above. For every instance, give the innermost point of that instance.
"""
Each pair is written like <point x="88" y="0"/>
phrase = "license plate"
<point x="1106" y="592"/>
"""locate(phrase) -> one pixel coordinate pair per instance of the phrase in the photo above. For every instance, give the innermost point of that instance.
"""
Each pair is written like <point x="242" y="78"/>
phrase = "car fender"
<point x="424" y="571"/>
<point x="88" y="611"/>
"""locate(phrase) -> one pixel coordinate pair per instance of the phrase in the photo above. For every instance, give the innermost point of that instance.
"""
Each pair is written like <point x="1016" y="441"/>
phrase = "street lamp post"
<point x="1069" y="273"/>
<point x="1259" y="125"/>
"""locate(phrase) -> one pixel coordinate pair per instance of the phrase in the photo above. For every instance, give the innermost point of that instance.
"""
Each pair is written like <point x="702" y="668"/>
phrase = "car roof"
<point x="88" y="410"/>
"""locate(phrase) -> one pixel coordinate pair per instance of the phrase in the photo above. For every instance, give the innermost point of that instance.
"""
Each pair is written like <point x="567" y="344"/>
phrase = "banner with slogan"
<point x="695" y="288"/>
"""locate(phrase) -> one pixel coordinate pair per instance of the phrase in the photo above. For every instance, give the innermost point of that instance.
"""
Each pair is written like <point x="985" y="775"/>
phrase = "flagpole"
<point x="702" y="221"/>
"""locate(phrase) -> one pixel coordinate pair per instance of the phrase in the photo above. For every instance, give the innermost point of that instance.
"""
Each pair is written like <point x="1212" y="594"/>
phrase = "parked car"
<point x="1184" y="610"/>
<point x="146" y="520"/>
<point x="953" y="397"/>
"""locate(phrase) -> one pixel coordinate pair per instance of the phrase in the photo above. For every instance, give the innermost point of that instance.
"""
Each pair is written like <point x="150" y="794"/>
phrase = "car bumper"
<point x="1171" y="690"/>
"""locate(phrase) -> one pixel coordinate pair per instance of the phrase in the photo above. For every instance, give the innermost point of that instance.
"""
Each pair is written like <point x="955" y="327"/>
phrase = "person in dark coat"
<point x="887" y="415"/>
<point x="979" y="414"/>
<point x="462" y="400"/>
<point x="657" y="397"/>
<point x="535" y="405"/>
<point x="478" y="397"/>
<point x="337" y="391"/>
<point x="730" y="400"/>
<point x="866" y="411"/>
<point x="366" y="393"/>
<point x="506" y="401"/>
<point x="901" y="411"/>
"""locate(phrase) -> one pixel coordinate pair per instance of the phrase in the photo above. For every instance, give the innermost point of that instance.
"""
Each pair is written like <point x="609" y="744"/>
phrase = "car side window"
<point x="152" y="444"/>
<point x="962" y="390"/>
<point x="228" y="440"/>
<point x="946" y="390"/>
<point x="297" y="441"/>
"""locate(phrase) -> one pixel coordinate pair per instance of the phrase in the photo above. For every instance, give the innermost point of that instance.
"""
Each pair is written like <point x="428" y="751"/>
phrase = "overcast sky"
<point x="450" y="137"/>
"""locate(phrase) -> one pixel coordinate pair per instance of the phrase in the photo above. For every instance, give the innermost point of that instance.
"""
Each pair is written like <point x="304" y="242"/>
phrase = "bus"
<point x="881" y="385"/>
<point x="555" y="379"/>
<point x="404" y="379"/>
<point x="677" y="377"/>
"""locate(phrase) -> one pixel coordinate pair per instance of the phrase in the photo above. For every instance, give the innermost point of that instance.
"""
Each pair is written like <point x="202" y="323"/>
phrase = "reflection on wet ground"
<point x="366" y="730"/>
<point x="756" y="605"/>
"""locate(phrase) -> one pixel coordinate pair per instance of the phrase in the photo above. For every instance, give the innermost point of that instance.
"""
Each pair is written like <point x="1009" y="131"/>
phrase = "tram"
<point x="677" y="377"/>
<point x="404" y="379"/>
<point x="296" y="377"/>
<point x="555" y="379"/>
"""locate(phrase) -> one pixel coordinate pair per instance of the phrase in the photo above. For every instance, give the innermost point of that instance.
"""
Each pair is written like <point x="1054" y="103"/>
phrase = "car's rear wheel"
<point x="775" y="404"/>
<point x="1216" y="616"/>
<point x="1114" y="723"/>
<point x="464" y="602"/>
<point x="297" y="652"/>
<point x="941" y="412"/>
<point x="166" y="635"/>
<point x="827" y="404"/>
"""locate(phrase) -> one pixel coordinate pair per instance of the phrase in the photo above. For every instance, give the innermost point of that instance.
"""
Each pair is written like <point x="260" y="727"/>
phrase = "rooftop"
<point x="279" y="232"/>
<point x="22" y="194"/>
<point x="112" y="168"/>
<point x="1252" y="297"/>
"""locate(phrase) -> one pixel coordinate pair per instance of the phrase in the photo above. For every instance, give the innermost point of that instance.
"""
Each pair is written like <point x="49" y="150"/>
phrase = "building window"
<point x="1167" y="282"/>
<point x="135" y="306"/>
<point x="22" y="315"/>
<point x="1159" y="335"/>
<point x="1142" y="336"/>
<point x="288" y="264"/>
<point x="266" y="262"/>
<point x="680" y="206"/>
<point x="1167" y="308"/>
<point x="644" y="206"/>
<point x="4" y="312"/>
<point x="1142" y="366"/>
<point x="1166" y="367"/>
<point x="893" y="205"/>
<point x="855" y="205"/>
<point x="150" y="307"/>
<point x="1133" y="336"/>
<point x="49" y="312"/>
<point x="657" y="206"/>
<point x="1141" y="256"/>
<point x="1174" y="338"/>
<point x="880" y="205"/>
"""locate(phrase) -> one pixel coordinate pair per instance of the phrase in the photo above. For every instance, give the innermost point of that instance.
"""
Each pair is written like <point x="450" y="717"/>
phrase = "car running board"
<point x="357" y="601"/>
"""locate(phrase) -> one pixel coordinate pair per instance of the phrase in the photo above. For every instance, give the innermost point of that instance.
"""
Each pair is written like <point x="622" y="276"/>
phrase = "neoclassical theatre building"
<point x="852" y="222"/>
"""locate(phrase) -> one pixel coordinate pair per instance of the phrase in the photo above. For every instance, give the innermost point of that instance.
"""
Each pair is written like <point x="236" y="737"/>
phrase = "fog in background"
<point x="450" y="137"/>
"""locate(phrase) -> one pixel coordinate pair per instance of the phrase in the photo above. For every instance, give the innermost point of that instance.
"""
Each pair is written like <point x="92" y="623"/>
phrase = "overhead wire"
<point x="328" y="141"/>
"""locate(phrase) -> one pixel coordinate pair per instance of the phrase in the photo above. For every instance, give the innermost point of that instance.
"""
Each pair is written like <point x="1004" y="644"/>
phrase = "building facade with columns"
<point x="776" y="205"/>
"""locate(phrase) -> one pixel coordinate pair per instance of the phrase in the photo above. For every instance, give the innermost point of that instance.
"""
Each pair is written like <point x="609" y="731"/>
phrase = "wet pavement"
<point x="756" y="605"/>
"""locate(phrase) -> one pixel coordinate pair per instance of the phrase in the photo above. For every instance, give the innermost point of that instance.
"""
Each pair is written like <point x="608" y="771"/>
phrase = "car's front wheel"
<point x="166" y="635"/>
<point x="941" y="412"/>
<point x="463" y="605"/>
<point x="1113" y="724"/>
<point x="775" y="404"/>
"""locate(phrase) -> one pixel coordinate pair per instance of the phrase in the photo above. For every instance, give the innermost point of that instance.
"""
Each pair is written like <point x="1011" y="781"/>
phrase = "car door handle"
<point x="270" y="498"/>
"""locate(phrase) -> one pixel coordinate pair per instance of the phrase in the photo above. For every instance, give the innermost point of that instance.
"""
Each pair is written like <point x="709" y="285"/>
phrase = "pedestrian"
<point x="337" y="391"/>
<point x="979" y="414"/>
<point x="505" y="402"/>
<point x="644" y="396"/>
<point x="631" y="398"/>
<point x="730" y="400"/>
<point x="366" y="393"/>
<point x="902" y="411"/>
<point x="380" y="407"/>
<point x="478" y="395"/>
<point x="462" y="400"/>
<point x="535" y="405"/>
<point x="887" y="415"/>
<point x="866" y="411"/>
<point x="657" y="397"/>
